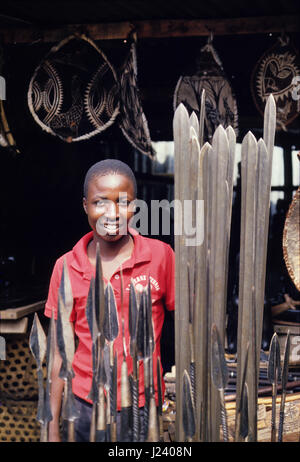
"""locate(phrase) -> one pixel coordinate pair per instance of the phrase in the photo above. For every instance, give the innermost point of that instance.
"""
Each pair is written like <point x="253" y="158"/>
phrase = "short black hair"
<point x="106" y="167"/>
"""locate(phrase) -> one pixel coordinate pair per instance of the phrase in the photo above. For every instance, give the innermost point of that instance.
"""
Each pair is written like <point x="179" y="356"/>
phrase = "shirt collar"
<point x="80" y="262"/>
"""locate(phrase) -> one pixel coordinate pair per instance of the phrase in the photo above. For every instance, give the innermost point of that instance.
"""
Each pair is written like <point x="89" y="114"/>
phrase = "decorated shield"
<point x="277" y="72"/>
<point x="132" y="121"/>
<point x="73" y="93"/>
<point x="220" y="101"/>
<point x="291" y="240"/>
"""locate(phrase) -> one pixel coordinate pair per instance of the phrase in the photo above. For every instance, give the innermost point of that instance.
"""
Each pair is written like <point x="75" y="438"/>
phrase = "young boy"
<point x="109" y="189"/>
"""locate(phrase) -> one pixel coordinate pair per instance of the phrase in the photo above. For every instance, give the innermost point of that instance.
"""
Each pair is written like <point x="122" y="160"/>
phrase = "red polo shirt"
<point x="150" y="258"/>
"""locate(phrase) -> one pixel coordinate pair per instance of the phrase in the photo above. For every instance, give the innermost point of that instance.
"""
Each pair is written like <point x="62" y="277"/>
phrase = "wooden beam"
<point x="17" y="313"/>
<point x="17" y="326"/>
<point x="156" y="29"/>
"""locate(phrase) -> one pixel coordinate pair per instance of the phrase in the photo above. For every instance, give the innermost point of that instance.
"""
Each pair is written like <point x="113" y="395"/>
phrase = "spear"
<point x="95" y="315"/>
<point x="144" y="354"/>
<point x="100" y="435"/>
<point x="242" y="406"/>
<point x="126" y="399"/>
<point x="153" y="430"/>
<point x="219" y="373"/>
<point x="133" y="315"/>
<point x="49" y="362"/>
<point x="284" y="379"/>
<point x="37" y="344"/>
<point x="188" y="410"/>
<point x="160" y="399"/>
<point x="65" y="342"/>
<point x="273" y="375"/>
<point x="111" y="331"/>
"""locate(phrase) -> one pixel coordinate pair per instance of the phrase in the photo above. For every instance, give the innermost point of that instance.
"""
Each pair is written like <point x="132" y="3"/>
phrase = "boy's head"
<point x="109" y="191"/>
<point x="109" y="166"/>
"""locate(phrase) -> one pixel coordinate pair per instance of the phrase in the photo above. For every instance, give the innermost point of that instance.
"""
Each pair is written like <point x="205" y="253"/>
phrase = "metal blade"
<point x="188" y="410"/>
<point x="37" y="341"/>
<point x="284" y="379"/>
<point x="99" y="294"/>
<point x="244" y="425"/>
<point x="160" y="398"/>
<point x="273" y="374"/>
<point x="37" y="344"/>
<point x="181" y="130"/>
<point x="274" y="367"/>
<point x="285" y="368"/>
<point x="202" y="119"/>
<point x="133" y="315"/>
<point x="247" y="279"/>
<point x="49" y="363"/>
<point x="110" y="323"/>
<point x="219" y="368"/>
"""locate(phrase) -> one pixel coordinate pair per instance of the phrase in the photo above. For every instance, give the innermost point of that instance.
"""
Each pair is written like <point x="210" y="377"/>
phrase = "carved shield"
<point x="277" y="72"/>
<point x="291" y="240"/>
<point x="73" y="93"/>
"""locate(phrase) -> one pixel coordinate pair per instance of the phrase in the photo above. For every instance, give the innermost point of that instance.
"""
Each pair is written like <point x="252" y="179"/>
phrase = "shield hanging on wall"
<point x="220" y="101"/>
<point x="74" y="93"/>
<point x="132" y="120"/>
<point x="277" y="72"/>
<point x="291" y="240"/>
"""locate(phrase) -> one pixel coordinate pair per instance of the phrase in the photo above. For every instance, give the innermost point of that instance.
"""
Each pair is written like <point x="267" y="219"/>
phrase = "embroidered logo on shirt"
<point x="139" y="280"/>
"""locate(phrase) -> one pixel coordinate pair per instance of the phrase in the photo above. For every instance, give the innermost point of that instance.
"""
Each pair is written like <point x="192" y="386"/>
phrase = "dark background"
<point x="41" y="214"/>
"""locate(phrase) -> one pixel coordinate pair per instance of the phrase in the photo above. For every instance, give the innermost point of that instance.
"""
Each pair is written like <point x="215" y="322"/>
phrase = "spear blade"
<point x="37" y="345"/>
<point x="50" y="351"/>
<point x="133" y="315"/>
<point x="110" y="322"/>
<point x="284" y="379"/>
<point x="160" y="398"/>
<point x="273" y="375"/>
<point x="219" y="372"/>
<point x="219" y="368"/>
<point x="188" y="410"/>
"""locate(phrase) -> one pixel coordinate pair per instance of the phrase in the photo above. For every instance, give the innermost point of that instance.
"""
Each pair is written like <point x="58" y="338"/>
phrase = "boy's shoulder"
<point x="156" y="245"/>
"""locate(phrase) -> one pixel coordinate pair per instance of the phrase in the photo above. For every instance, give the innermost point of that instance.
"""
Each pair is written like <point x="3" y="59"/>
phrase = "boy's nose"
<point x="111" y="211"/>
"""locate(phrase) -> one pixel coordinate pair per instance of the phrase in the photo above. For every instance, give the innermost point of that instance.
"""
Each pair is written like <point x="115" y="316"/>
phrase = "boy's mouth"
<point x="111" y="228"/>
<point x="105" y="228"/>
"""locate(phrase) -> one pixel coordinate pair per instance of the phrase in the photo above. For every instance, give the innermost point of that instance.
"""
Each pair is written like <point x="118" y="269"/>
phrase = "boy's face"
<point x="107" y="205"/>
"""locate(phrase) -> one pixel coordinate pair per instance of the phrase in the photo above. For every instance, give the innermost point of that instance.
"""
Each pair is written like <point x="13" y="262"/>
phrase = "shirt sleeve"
<point x="170" y="278"/>
<point x="51" y="303"/>
<point x="52" y="300"/>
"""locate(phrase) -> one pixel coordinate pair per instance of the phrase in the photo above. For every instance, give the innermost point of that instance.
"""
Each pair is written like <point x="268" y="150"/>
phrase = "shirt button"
<point x="117" y="276"/>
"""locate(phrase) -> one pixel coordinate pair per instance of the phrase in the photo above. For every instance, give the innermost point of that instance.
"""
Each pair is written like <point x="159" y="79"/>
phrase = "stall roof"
<point x="61" y="12"/>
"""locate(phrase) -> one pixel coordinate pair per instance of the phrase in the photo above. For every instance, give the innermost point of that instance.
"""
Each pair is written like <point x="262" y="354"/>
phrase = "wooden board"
<point x="156" y="29"/>
<point x="17" y="313"/>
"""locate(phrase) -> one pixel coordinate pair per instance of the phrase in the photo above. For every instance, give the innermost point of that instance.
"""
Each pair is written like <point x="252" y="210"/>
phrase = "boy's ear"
<point x="84" y="204"/>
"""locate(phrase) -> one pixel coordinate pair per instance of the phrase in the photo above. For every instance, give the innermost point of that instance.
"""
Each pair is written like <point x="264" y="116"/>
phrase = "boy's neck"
<point x="110" y="250"/>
